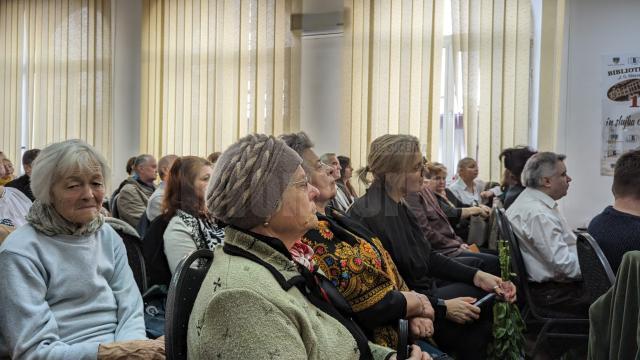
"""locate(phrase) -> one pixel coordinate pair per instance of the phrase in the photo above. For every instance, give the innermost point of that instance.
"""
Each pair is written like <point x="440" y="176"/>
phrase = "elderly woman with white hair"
<point x="263" y="296"/>
<point x="66" y="289"/>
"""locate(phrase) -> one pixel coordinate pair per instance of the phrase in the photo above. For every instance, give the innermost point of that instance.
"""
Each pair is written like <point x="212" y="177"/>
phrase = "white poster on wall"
<point x="620" y="108"/>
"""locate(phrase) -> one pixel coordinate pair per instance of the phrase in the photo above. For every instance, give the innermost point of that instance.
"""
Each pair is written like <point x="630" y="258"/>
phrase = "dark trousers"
<point x="490" y="263"/>
<point x="468" y="341"/>
<point x="570" y="298"/>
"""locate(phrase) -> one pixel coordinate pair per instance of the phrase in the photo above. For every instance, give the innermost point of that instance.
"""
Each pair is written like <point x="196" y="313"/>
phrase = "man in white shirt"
<point x="547" y="243"/>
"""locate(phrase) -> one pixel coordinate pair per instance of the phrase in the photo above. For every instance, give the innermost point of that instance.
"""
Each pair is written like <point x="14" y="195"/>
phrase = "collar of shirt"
<point x="544" y="198"/>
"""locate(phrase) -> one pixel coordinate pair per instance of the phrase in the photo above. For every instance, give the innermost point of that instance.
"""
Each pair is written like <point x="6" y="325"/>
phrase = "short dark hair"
<point x="344" y="162"/>
<point x="299" y="142"/>
<point x="514" y="159"/>
<point x="213" y="157"/>
<point x="130" y="163"/>
<point x="29" y="156"/>
<point x="626" y="175"/>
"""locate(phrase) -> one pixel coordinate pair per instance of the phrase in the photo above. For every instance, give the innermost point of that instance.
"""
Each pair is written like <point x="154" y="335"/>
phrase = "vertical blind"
<point x="392" y="64"/>
<point x="491" y="42"/>
<point x="55" y="73"/>
<point x="215" y="70"/>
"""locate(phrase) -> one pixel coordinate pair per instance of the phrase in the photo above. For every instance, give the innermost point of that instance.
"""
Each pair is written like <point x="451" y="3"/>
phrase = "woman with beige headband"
<point x="396" y="164"/>
<point x="263" y="297"/>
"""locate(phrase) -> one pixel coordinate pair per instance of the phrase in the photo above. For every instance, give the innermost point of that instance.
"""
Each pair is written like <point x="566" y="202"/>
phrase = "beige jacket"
<point x="132" y="201"/>
<point x="242" y="312"/>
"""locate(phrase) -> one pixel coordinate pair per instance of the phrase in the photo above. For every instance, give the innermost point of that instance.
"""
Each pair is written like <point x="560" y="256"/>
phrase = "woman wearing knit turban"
<point x="263" y="297"/>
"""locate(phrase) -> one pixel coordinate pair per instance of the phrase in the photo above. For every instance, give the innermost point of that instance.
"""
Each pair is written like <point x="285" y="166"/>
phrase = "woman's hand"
<point x="416" y="354"/>
<point x="461" y="310"/>
<point x="491" y="283"/>
<point x="134" y="349"/>
<point x="418" y="305"/>
<point x="475" y="210"/>
<point x="487" y="194"/>
<point x="421" y="327"/>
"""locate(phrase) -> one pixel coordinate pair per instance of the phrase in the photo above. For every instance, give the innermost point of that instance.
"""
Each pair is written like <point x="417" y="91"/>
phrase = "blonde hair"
<point x="436" y="168"/>
<point x="389" y="154"/>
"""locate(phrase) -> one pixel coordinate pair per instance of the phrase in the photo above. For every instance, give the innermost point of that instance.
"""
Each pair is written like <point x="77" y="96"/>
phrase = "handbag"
<point x="477" y="230"/>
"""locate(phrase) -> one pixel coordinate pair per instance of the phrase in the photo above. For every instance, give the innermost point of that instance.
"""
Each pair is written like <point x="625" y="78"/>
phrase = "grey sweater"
<point x="62" y="296"/>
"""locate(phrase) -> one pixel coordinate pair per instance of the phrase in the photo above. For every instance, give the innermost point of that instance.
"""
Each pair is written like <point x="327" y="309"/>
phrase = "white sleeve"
<point x="178" y="242"/>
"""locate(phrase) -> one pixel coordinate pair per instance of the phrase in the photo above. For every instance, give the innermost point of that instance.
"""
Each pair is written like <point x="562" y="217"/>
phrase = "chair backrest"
<point x="596" y="272"/>
<point x="113" y="206"/>
<point x="135" y="259"/>
<point x="153" y="250"/>
<point x="402" y="351"/>
<point x="183" y="290"/>
<point x="517" y="261"/>
<point x="143" y="224"/>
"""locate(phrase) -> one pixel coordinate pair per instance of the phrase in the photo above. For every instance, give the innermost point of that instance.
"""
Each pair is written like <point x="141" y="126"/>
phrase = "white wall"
<point x="127" y="40"/>
<point x="595" y="27"/>
<point x="321" y="91"/>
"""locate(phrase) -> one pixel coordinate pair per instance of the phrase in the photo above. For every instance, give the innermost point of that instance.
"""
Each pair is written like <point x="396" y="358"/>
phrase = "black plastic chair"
<point x="135" y="259"/>
<point x="553" y="323"/>
<point x="183" y="290"/>
<point x="597" y="275"/>
<point x="153" y="249"/>
<point x="113" y="206"/>
<point x="402" y="351"/>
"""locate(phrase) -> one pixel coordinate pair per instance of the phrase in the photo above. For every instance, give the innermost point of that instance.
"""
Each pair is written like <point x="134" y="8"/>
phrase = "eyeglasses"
<point x="301" y="184"/>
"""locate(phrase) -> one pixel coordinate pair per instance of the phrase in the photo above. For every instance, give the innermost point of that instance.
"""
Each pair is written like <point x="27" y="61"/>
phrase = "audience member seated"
<point x="66" y="290"/>
<point x="613" y="317"/>
<point x="8" y="167"/>
<point x="256" y="301"/>
<point x="468" y="189"/>
<point x="154" y="207"/>
<point x="130" y="173"/>
<point x="396" y="165"/>
<point x="5" y="230"/>
<point x="14" y="205"/>
<point x="513" y="160"/>
<point x="342" y="200"/>
<point x="547" y="242"/>
<point x="134" y="195"/>
<point x="213" y="157"/>
<point x="457" y="213"/>
<point x="23" y="183"/>
<point x="357" y="263"/>
<point x="617" y="228"/>
<point x="345" y="178"/>
<point x="437" y="230"/>
<point x="191" y="227"/>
